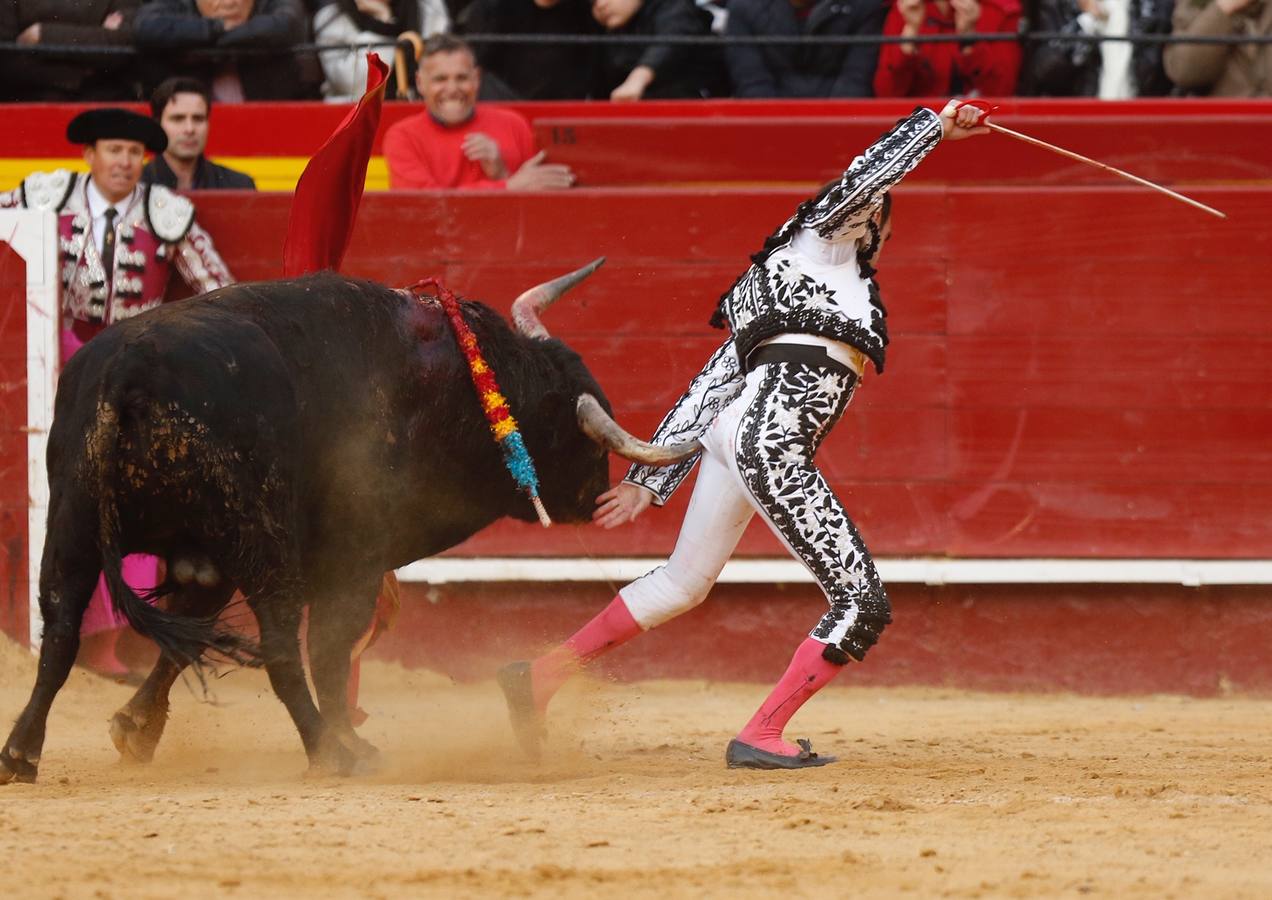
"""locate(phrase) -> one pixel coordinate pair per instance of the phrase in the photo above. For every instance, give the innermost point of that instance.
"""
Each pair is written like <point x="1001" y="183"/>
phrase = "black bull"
<point x="292" y="440"/>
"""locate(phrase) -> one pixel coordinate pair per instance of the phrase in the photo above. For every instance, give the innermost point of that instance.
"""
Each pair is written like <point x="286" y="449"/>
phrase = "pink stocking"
<point x="807" y="674"/>
<point x="613" y="626"/>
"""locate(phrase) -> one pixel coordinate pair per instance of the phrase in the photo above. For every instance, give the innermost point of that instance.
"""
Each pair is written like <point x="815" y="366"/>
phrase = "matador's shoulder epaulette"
<point x="168" y="214"/>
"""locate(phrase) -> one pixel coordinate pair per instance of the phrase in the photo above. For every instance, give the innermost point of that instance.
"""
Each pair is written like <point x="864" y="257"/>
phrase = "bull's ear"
<point x="600" y="427"/>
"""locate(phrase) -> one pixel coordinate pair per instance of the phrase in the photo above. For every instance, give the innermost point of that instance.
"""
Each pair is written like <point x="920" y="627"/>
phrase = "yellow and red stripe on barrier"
<point x="271" y="173"/>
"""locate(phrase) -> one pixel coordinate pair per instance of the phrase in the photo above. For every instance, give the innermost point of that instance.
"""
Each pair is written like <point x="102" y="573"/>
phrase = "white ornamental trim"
<point x="47" y="191"/>
<point x="170" y="215"/>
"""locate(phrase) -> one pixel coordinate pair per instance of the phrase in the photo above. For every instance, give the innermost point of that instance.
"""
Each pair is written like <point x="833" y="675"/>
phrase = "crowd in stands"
<point x="305" y="49"/>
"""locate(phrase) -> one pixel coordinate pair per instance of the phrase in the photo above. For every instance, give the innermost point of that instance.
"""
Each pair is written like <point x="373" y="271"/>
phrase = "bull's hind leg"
<point x="279" y="619"/>
<point x="336" y="622"/>
<point x="66" y="584"/>
<point x="137" y="727"/>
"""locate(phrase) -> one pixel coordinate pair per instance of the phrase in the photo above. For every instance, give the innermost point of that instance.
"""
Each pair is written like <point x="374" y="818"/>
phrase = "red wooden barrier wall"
<point x="244" y="129"/>
<point x="1075" y="373"/>
<point x="14" y="592"/>
<point x="612" y="151"/>
<point x="1178" y="141"/>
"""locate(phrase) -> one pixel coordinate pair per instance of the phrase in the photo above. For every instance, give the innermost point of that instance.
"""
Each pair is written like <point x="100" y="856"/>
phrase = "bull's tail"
<point x="182" y="639"/>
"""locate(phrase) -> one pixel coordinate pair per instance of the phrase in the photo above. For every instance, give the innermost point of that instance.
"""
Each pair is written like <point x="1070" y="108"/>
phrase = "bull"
<point x="292" y="440"/>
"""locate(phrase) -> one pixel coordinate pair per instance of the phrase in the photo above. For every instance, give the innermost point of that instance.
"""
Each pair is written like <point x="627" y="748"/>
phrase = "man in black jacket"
<point x="182" y="106"/>
<point x="653" y="71"/>
<point x="75" y="73"/>
<point x="532" y="71"/>
<point x="796" y="71"/>
<point x="274" y="26"/>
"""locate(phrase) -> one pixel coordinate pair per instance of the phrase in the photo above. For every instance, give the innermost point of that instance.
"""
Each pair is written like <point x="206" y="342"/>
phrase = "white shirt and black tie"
<point x="106" y="218"/>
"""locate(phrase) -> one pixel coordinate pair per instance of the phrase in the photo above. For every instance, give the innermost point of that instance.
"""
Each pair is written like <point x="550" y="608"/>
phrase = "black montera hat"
<point x="113" y="123"/>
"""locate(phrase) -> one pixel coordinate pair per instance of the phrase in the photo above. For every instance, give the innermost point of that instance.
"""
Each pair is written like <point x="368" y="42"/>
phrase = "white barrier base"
<point x="920" y="570"/>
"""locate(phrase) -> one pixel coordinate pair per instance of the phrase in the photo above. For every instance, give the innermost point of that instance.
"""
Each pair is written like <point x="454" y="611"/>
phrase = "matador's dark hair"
<point x="782" y="236"/>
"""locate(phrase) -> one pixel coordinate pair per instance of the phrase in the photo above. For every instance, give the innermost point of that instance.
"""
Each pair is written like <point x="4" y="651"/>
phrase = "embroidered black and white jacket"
<point x="807" y="283"/>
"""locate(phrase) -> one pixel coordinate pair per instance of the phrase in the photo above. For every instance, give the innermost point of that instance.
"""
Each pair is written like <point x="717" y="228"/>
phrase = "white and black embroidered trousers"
<point x="758" y="457"/>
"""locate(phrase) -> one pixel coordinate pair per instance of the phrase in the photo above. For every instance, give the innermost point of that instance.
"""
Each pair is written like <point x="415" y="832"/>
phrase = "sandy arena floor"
<point x="939" y="793"/>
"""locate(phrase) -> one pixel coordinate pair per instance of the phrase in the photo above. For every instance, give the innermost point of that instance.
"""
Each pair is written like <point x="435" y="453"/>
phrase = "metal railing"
<point x="846" y="40"/>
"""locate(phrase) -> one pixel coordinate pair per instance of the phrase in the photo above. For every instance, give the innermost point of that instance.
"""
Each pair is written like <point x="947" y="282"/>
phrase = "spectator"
<point x="1111" y="70"/>
<point x="531" y="71"/>
<point x="1222" y="70"/>
<point x="119" y="240"/>
<point x="788" y="71"/>
<point x="455" y="143"/>
<point x="925" y="70"/>
<point x="276" y="25"/>
<point x="78" y="76"/>
<point x="1059" y="67"/>
<point x="633" y="71"/>
<point x="716" y="14"/>
<point x="1148" y="73"/>
<point x="182" y="106"/>
<point x="368" y="22"/>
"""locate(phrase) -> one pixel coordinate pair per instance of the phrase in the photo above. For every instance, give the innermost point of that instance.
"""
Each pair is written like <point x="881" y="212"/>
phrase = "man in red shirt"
<point x="455" y="143"/>
<point x="975" y="68"/>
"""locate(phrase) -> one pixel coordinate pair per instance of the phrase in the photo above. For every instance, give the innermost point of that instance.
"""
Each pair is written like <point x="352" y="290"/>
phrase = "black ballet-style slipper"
<point x="527" y="724"/>
<point x="744" y="756"/>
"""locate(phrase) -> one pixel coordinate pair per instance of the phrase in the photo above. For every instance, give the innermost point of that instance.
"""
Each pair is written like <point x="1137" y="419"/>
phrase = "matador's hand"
<point x="621" y="504"/>
<point x="962" y="120"/>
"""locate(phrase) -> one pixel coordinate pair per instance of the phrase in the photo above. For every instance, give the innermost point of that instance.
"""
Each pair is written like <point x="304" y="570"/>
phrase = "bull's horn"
<point x="597" y="424"/>
<point x="526" y="308"/>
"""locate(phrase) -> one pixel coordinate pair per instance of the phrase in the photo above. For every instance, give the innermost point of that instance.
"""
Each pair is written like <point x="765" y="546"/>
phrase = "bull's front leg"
<point x="337" y="621"/>
<point x="137" y="727"/>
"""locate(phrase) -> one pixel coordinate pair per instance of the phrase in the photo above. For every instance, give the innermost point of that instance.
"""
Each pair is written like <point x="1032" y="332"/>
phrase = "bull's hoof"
<point x="13" y="768"/>
<point x="320" y="770"/>
<point x="359" y="746"/>
<point x="136" y="736"/>
<point x="344" y="755"/>
<point x="331" y="758"/>
<point x="366" y="756"/>
<point x="347" y="768"/>
<point x="367" y="761"/>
